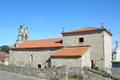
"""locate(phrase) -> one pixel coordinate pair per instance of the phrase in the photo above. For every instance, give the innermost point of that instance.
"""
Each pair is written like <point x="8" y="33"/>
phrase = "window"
<point x="39" y="65"/>
<point x="81" y="39"/>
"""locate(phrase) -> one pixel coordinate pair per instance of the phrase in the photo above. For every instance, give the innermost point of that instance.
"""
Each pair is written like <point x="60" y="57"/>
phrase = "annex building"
<point x="87" y="46"/>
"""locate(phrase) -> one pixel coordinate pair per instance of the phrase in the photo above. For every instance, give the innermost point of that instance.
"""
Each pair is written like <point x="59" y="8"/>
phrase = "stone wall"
<point x="107" y="51"/>
<point x="96" y="44"/>
<point x="23" y="71"/>
<point x="91" y="74"/>
<point x="60" y="73"/>
<point x="69" y="72"/>
<point x="41" y="74"/>
<point x="100" y="44"/>
<point x="30" y="57"/>
<point x="79" y="61"/>
<point x="84" y="73"/>
<point x="61" y="61"/>
<point x="116" y="68"/>
<point x="86" y="59"/>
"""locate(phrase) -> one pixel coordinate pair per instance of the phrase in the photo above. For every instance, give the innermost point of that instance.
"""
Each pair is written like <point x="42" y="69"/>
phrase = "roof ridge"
<point x="45" y="39"/>
<point x="77" y="46"/>
<point x="88" y="28"/>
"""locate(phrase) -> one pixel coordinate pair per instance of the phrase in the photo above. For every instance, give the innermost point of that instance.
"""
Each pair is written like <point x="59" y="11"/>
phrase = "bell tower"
<point x="22" y="34"/>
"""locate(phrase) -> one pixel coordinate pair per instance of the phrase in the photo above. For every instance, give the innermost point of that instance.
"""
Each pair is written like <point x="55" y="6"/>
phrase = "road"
<point x="13" y="76"/>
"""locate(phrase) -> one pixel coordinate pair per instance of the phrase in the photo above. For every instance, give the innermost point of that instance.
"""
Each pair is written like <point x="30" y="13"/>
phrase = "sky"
<point x="46" y="18"/>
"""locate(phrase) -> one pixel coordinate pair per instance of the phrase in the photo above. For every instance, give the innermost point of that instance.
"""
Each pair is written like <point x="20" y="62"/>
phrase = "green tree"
<point x="5" y="48"/>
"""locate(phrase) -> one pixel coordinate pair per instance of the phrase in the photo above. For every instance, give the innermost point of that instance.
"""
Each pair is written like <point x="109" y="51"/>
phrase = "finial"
<point x="102" y="25"/>
<point x="62" y="29"/>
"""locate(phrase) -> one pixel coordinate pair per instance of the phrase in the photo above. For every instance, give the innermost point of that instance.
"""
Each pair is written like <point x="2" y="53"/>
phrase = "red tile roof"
<point x="41" y="43"/>
<point x="70" y="52"/>
<point x="88" y="29"/>
<point x="83" y="29"/>
<point x="3" y="56"/>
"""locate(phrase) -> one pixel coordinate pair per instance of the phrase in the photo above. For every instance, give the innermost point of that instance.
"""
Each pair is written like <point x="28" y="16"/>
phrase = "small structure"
<point x="116" y="60"/>
<point x="4" y="58"/>
<point x="116" y="53"/>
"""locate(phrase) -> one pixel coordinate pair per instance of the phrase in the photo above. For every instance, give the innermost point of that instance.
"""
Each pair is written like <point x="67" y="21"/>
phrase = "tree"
<point x="5" y="48"/>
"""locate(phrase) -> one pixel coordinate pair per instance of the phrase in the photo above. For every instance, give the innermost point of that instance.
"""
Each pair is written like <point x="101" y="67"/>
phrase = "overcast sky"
<point x="45" y="18"/>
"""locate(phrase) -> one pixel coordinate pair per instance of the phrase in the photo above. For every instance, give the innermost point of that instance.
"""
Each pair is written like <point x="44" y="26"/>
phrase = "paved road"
<point x="12" y="76"/>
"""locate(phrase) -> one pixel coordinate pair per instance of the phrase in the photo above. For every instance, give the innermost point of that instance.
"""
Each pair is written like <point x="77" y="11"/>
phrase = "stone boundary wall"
<point x="44" y="74"/>
<point x="84" y="74"/>
<point x="91" y="74"/>
<point x="69" y="71"/>
<point x="60" y="73"/>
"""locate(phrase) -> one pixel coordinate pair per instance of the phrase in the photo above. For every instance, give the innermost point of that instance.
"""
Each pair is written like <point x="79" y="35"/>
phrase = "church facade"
<point x="86" y="46"/>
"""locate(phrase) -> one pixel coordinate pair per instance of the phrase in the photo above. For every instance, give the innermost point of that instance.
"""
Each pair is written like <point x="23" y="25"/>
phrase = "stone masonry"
<point x="101" y="47"/>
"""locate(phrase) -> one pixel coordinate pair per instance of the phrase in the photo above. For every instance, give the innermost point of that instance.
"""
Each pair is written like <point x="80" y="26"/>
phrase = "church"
<point x="87" y="46"/>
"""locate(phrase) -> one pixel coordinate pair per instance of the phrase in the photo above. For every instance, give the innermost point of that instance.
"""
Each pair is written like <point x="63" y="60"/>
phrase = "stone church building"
<point x="87" y="46"/>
